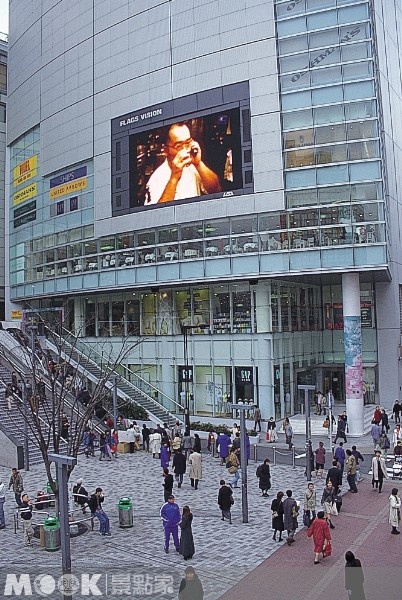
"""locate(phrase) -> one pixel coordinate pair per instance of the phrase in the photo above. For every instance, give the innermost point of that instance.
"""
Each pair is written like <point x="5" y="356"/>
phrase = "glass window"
<point x="300" y="218"/>
<point x="329" y="134"/>
<point x="90" y="318"/>
<point x="363" y="171"/>
<point x="290" y="9"/>
<point x="360" y="70"/>
<point x="75" y="234"/>
<point x="125" y="241"/>
<point x="356" y="51"/>
<point x="201" y="309"/>
<point x="321" y="20"/>
<point x="107" y="244"/>
<point x="328" y="95"/>
<point x="299" y="158"/>
<point x="367" y="212"/>
<point x="363" y="89"/>
<point x="272" y="221"/>
<point x="323" y="39"/>
<point x="49" y="241"/>
<point x="332" y="174"/>
<point x="290" y="64"/>
<point x="339" y="193"/>
<point x="304" y="178"/>
<point x="327" y="75"/>
<point x="350" y="14"/>
<point x="365" y="191"/>
<point x="291" y="26"/>
<point x="328" y="114"/>
<point x="301" y="198"/>
<point x="330" y="154"/>
<point x="133" y="315"/>
<point x="319" y="4"/>
<point x="75" y="250"/>
<point x="294" y="139"/>
<point x="103" y="319"/>
<point x="62" y="253"/>
<point x="148" y="320"/>
<point x="241" y="312"/>
<point x="294" y="44"/>
<point x="168" y="235"/>
<point x="90" y="248"/>
<point x="294" y="81"/>
<point x="363" y="150"/>
<point x="361" y="129"/>
<point x="296" y="100"/>
<point x="243" y="225"/>
<point x="300" y="118"/>
<point x="118" y="318"/>
<point x="191" y="232"/>
<point x="330" y="215"/>
<point x="146" y="238"/>
<point x="221" y="309"/>
<point x="217" y="228"/>
<point x="360" y="110"/>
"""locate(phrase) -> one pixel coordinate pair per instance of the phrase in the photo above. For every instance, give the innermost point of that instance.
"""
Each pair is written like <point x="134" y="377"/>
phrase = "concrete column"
<point x="79" y="316"/>
<point x="352" y="339"/>
<point x="262" y="309"/>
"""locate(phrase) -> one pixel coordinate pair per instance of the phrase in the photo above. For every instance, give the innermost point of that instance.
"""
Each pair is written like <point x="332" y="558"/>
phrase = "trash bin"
<point x="51" y="530"/>
<point x="125" y="507"/>
<point x="50" y="493"/>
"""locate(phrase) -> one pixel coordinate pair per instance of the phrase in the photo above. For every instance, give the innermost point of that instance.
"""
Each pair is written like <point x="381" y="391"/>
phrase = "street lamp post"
<point x="185" y="329"/>
<point x="243" y="408"/>
<point x="309" y="449"/>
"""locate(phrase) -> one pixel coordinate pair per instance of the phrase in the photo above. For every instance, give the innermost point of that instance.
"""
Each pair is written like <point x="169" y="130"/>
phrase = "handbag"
<point x="327" y="549"/>
<point x="295" y="512"/>
<point x="333" y="510"/>
<point x="306" y="518"/>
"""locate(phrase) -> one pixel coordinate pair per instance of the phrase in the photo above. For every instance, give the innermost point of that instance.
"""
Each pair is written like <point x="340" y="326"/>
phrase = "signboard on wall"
<point x="334" y="314"/>
<point x="185" y="374"/>
<point x="25" y="170"/>
<point x="244" y="375"/>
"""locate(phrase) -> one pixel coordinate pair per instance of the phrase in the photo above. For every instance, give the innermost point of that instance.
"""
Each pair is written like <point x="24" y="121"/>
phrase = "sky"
<point x="4" y="16"/>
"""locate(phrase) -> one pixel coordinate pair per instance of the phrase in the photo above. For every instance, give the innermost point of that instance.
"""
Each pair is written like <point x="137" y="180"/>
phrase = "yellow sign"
<point x="16" y="315"/>
<point x="27" y="192"/>
<point x="25" y="170"/>
<point x="68" y="188"/>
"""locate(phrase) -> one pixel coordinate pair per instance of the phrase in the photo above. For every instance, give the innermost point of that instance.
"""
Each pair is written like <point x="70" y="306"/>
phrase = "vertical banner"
<point x="352" y="335"/>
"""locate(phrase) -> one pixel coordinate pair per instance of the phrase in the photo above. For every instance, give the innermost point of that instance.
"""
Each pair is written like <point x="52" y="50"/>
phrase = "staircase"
<point x="298" y="421"/>
<point x="160" y="407"/>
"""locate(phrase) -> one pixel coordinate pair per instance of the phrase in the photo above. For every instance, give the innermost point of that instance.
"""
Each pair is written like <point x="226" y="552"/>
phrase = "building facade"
<point x="216" y="176"/>
<point x="3" y="168"/>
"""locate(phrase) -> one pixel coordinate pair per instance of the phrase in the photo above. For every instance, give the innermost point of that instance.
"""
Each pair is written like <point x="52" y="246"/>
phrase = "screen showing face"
<point x="192" y="148"/>
<point x="189" y="159"/>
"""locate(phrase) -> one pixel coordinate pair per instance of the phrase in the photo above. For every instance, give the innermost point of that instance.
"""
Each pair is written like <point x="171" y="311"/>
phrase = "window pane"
<point x="146" y="238"/>
<point x="191" y="232"/>
<point x="321" y="20"/>
<point x="360" y="110"/>
<point x="297" y="100"/>
<point x="323" y="39"/>
<point x="328" y="114"/>
<point x="272" y="222"/>
<point x="294" y="81"/>
<point x="301" y="218"/>
<point x="243" y="225"/>
<point x="332" y="133"/>
<point x="241" y="312"/>
<point x="297" y="62"/>
<point x="328" y="95"/>
<point x="357" y="71"/>
<point x="297" y="119"/>
<point x="329" y="75"/>
<point x="292" y="26"/>
<point x="293" y="139"/>
<point x="301" y="198"/>
<point x="340" y="193"/>
<point x="365" y="191"/>
<point x="365" y="171"/>
<point x="350" y="14"/>
<point x="362" y="150"/>
<point x="299" y="158"/>
<point x="361" y="129"/>
<point x="318" y="4"/>
<point x="356" y="51"/>
<point x="364" y="89"/>
<point x="125" y="241"/>
<point x="295" y="44"/>
<point x="329" y="154"/>
<point x="168" y="235"/>
<point x="301" y="178"/>
<point x="332" y="174"/>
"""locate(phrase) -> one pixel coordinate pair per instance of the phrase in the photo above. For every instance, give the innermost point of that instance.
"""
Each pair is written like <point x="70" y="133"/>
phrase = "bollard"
<point x="293" y="457"/>
<point x="255" y="453"/>
<point x="274" y="450"/>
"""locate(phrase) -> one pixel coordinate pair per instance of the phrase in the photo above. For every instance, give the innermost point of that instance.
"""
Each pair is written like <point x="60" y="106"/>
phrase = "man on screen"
<point x="183" y="174"/>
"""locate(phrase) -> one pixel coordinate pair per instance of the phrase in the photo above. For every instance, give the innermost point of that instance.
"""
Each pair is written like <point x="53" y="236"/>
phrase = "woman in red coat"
<point x="319" y="530"/>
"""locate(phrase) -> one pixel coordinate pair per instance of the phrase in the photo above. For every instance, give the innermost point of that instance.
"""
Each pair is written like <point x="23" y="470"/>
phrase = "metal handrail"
<point x="90" y="351"/>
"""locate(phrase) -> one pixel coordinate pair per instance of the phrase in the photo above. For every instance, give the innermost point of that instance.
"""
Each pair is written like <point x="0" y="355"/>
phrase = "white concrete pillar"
<point x="79" y="316"/>
<point x="352" y="339"/>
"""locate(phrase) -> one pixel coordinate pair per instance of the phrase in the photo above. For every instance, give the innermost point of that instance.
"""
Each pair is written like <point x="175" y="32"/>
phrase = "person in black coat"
<point x="225" y="501"/>
<point x="335" y="475"/>
<point x="277" y="515"/>
<point x="384" y="421"/>
<point x="354" y="577"/>
<point x="264" y="475"/>
<point x="191" y="587"/>
<point x="197" y="443"/>
<point x="145" y="437"/>
<point x="179" y="466"/>
<point x="187" y="548"/>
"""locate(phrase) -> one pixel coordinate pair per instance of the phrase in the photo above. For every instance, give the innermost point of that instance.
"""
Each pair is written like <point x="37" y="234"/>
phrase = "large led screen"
<point x="167" y="155"/>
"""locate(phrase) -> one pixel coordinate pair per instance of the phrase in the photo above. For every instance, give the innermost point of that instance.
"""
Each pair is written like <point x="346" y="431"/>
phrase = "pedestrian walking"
<point x="290" y="514"/>
<point x="384" y="444"/>
<point x="375" y="433"/>
<point x="26" y="508"/>
<point x="167" y="484"/>
<point x="191" y="586"/>
<point x="340" y="429"/>
<point x="211" y="442"/>
<point x="397" y="435"/>
<point x="310" y="502"/>
<point x="165" y="456"/>
<point x="223" y="443"/>
<point x="187" y="548"/>
<point x="232" y="465"/>
<point x="379" y="470"/>
<point x="170" y="515"/>
<point x="277" y="516"/>
<point x="358" y="457"/>
<point x="2" y="501"/>
<point x="16" y="484"/>
<point x="176" y="430"/>
<point x="384" y="421"/>
<point x="263" y="473"/>
<point x="321" y="535"/>
<point x="195" y="472"/>
<point x="187" y="443"/>
<point x="65" y="426"/>
<point x="340" y="456"/>
<point x="80" y="495"/>
<point x="351" y="471"/>
<point x="179" y="466"/>
<point x="320" y="398"/>
<point x="328" y="501"/>
<point x="396" y="410"/>
<point x="319" y="459"/>
<point x="114" y="442"/>
<point x="394" y="511"/>
<point x="257" y="418"/>
<point x="225" y="501"/>
<point x="145" y="432"/>
<point x="288" y="429"/>
<point x="95" y="504"/>
<point x="197" y="443"/>
<point x="130" y="436"/>
<point x="377" y="415"/>
<point x="155" y="442"/>
<point x="354" y="577"/>
<point x="272" y="436"/>
<point x="334" y="475"/>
